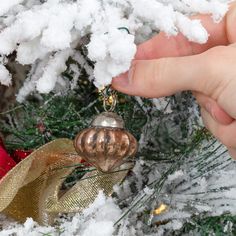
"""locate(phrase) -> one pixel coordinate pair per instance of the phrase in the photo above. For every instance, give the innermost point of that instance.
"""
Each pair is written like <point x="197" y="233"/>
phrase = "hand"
<point x="164" y="66"/>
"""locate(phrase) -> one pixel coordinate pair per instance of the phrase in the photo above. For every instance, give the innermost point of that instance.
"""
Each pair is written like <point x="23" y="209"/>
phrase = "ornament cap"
<point x="108" y="119"/>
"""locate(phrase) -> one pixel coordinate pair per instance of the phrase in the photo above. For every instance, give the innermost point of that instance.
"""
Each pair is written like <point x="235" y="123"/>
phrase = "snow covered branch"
<point x="38" y="30"/>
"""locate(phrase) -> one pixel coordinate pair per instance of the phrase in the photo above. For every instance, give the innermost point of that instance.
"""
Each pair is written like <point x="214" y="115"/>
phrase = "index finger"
<point x="163" y="46"/>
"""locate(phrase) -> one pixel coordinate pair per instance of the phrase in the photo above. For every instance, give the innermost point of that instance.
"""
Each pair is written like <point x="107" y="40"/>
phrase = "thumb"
<point x="162" y="77"/>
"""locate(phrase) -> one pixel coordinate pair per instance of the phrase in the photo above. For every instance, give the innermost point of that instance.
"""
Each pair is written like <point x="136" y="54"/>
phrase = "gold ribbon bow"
<point x="33" y="187"/>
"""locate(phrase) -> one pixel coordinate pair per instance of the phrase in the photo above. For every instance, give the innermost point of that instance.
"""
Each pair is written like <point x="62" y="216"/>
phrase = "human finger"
<point x="165" y="76"/>
<point x="158" y="78"/>
<point x="232" y="152"/>
<point x="222" y="33"/>
<point x="212" y="73"/>
<point x="211" y="106"/>
<point x="225" y="133"/>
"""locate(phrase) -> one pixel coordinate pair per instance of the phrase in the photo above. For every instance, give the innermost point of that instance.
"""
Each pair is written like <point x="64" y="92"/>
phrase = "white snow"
<point x="184" y="193"/>
<point x="97" y="220"/>
<point x="5" y="75"/>
<point x="55" y="66"/>
<point x="38" y="30"/>
<point x="45" y="34"/>
<point x="6" y="5"/>
<point x="175" y="175"/>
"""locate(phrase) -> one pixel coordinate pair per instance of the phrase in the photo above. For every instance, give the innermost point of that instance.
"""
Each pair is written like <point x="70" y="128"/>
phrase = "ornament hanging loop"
<point x="109" y="97"/>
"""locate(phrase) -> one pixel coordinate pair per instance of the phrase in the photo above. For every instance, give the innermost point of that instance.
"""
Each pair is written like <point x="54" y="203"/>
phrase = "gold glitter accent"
<point x="32" y="188"/>
<point x="161" y="209"/>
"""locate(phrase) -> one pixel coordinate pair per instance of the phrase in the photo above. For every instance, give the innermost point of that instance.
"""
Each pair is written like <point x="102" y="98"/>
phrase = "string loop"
<point x="109" y="97"/>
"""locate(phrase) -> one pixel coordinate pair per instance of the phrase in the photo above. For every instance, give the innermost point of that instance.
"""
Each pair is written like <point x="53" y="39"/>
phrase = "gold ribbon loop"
<point x="33" y="187"/>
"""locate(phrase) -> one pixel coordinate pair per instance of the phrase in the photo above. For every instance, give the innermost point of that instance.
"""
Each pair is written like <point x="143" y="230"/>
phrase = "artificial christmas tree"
<point x="183" y="181"/>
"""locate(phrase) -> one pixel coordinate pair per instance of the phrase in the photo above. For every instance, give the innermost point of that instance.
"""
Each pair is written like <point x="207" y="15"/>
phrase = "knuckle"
<point x="210" y="57"/>
<point x="159" y="69"/>
<point x="216" y="50"/>
<point x="219" y="67"/>
<point x="221" y="53"/>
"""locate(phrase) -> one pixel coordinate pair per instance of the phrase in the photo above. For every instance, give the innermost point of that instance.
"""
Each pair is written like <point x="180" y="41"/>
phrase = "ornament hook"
<point x="109" y="97"/>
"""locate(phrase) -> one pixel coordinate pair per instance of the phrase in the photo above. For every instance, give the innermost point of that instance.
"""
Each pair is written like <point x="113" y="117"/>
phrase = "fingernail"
<point x="121" y="80"/>
<point x="124" y="79"/>
<point x="209" y="109"/>
<point x="232" y="152"/>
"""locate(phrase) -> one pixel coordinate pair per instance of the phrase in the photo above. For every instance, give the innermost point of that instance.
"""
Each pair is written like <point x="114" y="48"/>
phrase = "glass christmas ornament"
<point x="106" y="144"/>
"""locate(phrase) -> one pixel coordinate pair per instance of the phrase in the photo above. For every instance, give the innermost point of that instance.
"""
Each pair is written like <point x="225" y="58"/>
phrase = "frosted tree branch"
<point x="36" y="30"/>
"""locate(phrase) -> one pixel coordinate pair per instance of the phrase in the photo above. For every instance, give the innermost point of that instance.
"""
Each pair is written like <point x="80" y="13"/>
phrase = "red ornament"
<point x="19" y="155"/>
<point x="6" y="162"/>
